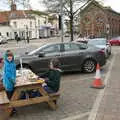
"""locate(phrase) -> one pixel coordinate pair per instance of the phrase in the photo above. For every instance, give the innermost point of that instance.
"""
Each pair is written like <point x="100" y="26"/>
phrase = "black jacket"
<point x="53" y="76"/>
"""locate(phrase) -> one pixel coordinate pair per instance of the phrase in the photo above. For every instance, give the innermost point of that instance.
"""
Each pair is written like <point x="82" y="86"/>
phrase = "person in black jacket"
<point x="52" y="77"/>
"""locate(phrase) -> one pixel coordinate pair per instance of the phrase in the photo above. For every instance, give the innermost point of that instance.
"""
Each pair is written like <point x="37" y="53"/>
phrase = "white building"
<point x="33" y="24"/>
<point x="6" y="31"/>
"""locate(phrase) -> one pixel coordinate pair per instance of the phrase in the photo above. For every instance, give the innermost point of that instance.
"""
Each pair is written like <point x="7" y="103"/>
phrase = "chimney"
<point x="13" y="7"/>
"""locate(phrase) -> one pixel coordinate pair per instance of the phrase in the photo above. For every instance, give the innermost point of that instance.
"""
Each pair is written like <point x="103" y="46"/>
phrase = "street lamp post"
<point x="61" y="13"/>
<point x="27" y="36"/>
<point x="107" y="31"/>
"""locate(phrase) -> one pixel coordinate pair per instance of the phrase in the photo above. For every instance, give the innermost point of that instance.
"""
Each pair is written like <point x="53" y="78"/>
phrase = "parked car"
<point x="115" y="41"/>
<point x="72" y="56"/>
<point x="3" y="39"/>
<point x="102" y="43"/>
<point x="83" y="40"/>
<point x="67" y="34"/>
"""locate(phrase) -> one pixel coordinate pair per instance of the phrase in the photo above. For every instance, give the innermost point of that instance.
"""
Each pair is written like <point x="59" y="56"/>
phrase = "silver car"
<point x="3" y="39"/>
<point x="101" y="43"/>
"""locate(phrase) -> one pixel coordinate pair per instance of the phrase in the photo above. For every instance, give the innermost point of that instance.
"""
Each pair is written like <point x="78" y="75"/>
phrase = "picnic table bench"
<point x="17" y="102"/>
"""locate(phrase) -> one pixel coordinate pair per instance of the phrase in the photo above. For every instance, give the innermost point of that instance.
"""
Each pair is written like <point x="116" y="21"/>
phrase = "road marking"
<point x="12" y="47"/>
<point x="86" y="78"/>
<point x="77" y="116"/>
<point x="98" y="100"/>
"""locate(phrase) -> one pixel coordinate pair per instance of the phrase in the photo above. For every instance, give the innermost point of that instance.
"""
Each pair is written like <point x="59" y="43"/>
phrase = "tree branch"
<point x="82" y="7"/>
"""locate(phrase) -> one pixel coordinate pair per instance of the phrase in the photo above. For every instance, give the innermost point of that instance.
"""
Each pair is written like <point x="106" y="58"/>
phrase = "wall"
<point x="4" y="30"/>
<point x="24" y="25"/>
<point x="40" y="20"/>
<point x="95" y="20"/>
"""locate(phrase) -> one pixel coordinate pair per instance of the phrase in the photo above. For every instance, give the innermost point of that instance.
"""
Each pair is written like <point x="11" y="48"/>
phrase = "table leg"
<point x="16" y="95"/>
<point x="51" y="103"/>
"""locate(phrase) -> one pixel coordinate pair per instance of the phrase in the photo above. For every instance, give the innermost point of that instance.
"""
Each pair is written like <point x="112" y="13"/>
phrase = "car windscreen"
<point x="83" y="45"/>
<point x="97" y="42"/>
<point x="116" y="38"/>
<point x="34" y="51"/>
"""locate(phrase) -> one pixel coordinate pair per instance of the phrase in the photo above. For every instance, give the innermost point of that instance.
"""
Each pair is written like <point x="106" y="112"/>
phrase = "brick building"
<point x="99" y="21"/>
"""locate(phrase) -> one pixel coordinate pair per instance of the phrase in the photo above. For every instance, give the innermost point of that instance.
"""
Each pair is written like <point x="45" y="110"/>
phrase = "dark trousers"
<point x="48" y="89"/>
<point x="9" y="94"/>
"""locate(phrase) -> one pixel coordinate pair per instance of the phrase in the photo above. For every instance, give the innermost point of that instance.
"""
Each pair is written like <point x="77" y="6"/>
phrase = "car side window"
<point x="51" y="49"/>
<point x="71" y="47"/>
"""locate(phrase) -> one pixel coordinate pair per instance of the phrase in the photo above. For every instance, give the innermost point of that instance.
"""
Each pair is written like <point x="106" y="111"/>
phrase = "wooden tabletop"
<point x="21" y="81"/>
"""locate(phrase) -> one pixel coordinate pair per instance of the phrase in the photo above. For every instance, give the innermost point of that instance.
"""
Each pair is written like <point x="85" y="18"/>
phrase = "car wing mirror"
<point x="107" y="43"/>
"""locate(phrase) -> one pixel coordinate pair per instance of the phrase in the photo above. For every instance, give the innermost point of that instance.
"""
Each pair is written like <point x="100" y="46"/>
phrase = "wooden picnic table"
<point x="24" y="86"/>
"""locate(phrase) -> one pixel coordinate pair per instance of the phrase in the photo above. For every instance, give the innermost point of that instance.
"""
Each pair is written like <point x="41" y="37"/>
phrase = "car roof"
<point x="61" y="43"/>
<point x="98" y="39"/>
<point x="116" y="37"/>
<point x="44" y="45"/>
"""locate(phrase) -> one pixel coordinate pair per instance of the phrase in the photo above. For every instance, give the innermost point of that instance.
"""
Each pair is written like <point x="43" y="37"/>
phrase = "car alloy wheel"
<point x="89" y="66"/>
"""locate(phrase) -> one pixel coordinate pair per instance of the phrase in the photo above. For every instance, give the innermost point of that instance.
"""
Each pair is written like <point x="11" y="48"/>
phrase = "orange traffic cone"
<point x="97" y="83"/>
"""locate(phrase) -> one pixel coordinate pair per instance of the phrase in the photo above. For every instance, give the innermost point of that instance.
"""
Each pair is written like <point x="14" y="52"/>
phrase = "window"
<point x="7" y="33"/>
<point x="38" y="22"/>
<point x="15" y="24"/>
<point x="51" y="49"/>
<point x="71" y="47"/>
<point x="30" y="23"/>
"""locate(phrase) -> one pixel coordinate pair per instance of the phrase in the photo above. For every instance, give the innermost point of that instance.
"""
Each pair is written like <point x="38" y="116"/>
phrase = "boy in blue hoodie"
<point x="9" y="75"/>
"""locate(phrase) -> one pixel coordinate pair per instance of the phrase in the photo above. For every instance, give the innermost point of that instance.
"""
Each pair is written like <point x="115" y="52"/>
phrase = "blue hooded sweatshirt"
<point x="9" y="75"/>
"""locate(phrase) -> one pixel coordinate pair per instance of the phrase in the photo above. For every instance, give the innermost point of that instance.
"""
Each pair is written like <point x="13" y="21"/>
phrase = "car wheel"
<point x="110" y="52"/>
<point x="89" y="66"/>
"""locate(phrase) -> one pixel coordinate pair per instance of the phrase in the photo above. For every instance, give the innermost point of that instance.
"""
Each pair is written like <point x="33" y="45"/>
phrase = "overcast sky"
<point x="115" y="4"/>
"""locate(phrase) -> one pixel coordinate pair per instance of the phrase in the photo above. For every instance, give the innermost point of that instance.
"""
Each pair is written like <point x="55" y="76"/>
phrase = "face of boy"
<point x="9" y="58"/>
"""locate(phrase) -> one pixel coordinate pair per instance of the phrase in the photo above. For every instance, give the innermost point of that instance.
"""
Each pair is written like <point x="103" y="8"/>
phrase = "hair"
<point x="9" y="53"/>
<point x="55" y="62"/>
<point x="1" y="60"/>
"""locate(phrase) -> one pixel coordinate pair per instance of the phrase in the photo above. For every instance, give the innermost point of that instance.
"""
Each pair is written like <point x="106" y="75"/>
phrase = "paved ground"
<point x="109" y="98"/>
<point x="22" y="47"/>
<point x="77" y="98"/>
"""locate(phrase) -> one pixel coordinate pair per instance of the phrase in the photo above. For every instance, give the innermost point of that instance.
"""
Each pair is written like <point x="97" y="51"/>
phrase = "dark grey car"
<point x="72" y="56"/>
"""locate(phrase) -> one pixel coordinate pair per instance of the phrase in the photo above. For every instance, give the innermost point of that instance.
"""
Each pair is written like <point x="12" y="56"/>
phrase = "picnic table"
<point x="24" y="86"/>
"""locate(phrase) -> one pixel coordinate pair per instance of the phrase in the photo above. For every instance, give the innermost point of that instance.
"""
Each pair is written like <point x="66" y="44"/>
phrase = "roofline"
<point x="22" y="18"/>
<point x="92" y="2"/>
<point x="111" y="10"/>
<point x="100" y="6"/>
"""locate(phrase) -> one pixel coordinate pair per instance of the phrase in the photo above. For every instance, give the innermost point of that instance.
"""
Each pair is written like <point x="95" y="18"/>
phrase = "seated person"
<point x="52" y="77"/>
<point x="52" y="80"/>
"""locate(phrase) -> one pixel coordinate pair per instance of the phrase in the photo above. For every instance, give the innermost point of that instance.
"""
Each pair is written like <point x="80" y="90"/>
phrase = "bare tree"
<point x="69" y="8"/>
<point x="23" y="3"/>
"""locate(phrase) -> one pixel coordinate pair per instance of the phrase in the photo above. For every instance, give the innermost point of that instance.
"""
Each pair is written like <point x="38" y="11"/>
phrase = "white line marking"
<point x="12" y="48"/>
<point x="81" y="79"/>
<point x="98" y="100"/>
<point x="77" y="116"/>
